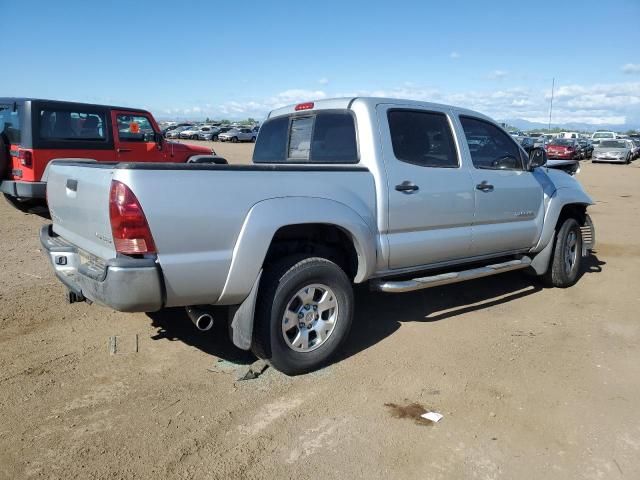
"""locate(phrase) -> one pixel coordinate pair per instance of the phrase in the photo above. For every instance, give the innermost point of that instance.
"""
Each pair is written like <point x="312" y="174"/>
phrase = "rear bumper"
<point x="124" y="284"/>
<point x="23" y="189"/>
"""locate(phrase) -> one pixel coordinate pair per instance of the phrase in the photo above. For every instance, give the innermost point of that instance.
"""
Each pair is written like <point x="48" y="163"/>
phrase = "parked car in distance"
<point x="586" y="147"/>
<point x="208" y="132"/>
<point x="326" y="207"/>
<point x="564" y="149"/>
<point x="175" y="133"/>
<point x="618" y="151"/>
<point x="238" y="135"/>
<point x="573" y="135"/>
<point x="632" y="147"/>
<point x="636" y="143"/>
<point x="191" y="132"/>
<point x="35" y="131"/>
<point x="600" y="135"/>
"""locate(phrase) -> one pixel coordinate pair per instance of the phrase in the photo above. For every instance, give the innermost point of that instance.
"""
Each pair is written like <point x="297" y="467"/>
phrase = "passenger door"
<point x="430" y="194"/>
<point x="508" y="198"/>
<point x="134" y="137"/>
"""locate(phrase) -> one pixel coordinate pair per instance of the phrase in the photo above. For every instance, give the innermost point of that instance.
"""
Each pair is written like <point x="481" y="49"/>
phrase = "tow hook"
<point x="73" y="297"/>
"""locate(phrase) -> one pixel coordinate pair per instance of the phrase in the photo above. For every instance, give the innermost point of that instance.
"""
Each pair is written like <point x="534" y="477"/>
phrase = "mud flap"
<point x="540" y="262"/>
<point x="242" y="323"/>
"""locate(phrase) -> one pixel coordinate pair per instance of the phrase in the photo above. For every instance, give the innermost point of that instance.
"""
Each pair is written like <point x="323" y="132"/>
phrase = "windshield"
<point x="613" y="144"/>
<point x="604" y="135"/>
<point x="563" y="142"/>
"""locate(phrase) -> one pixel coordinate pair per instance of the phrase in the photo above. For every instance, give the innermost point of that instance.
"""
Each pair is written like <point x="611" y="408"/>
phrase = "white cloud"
<point x="597" y="104"/>
<point x="497" y="75"/>
<point x="454" y="55"/>
<point x="323" y="81"/>
<point x="631" y="68"/>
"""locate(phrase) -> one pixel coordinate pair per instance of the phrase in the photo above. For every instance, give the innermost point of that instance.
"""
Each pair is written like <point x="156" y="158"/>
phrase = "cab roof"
<point x="21" y="100"/>
<point x="345" y="103"/>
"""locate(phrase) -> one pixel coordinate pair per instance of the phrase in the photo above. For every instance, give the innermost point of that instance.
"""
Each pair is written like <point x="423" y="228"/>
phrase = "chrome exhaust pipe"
<point x="202" y="319"/>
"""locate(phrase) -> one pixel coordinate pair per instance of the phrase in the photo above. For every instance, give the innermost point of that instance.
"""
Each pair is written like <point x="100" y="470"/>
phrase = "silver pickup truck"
<point x="401" y="194"/>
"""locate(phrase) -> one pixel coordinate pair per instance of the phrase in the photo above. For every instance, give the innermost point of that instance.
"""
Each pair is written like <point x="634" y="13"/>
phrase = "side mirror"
<point x="537" y="158"/>
<point x="158" y="138"/>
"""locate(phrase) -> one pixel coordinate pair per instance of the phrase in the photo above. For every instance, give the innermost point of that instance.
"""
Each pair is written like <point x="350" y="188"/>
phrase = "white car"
<point x="191" y="133"/>
<point x="238" y="135"/>
<point x="602" y="135"/>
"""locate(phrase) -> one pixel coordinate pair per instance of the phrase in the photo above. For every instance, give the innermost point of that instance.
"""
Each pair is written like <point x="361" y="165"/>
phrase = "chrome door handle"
<point x="484" y="186"/>
<point x="122" y="150"/>
<point x="407" y="187"/>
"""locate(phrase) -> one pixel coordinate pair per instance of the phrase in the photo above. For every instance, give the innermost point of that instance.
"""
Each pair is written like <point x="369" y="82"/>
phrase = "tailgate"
<point x="78" y="197"/>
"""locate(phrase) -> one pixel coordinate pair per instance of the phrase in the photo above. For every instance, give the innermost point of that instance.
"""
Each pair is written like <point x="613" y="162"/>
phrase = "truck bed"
<point x="196" y="212"/>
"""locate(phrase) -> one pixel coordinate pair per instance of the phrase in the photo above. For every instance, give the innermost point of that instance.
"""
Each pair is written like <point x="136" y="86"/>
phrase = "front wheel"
<point x="303" y="314"/>
<point x="234" y="140"/>
<point x="566" y="260"/>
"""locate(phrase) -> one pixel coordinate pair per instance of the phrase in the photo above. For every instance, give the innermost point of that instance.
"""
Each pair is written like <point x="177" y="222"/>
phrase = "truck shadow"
<point x="173" y="324"/>
<point x="377" y="315"/>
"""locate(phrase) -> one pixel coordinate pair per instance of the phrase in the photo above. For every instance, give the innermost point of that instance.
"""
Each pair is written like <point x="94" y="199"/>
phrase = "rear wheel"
<point x="253" y="139"/>
<point x="303" y="314"/>
<point x="566" y="260"/>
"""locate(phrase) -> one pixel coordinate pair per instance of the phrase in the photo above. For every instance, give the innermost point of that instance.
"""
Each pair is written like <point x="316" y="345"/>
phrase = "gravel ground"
<point x="533" y="383"/>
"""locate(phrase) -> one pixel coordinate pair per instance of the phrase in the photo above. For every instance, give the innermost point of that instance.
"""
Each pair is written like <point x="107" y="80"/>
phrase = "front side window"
<point x="490" y="147"/>
<point x="67" y="125"/>
<point x="323" y="137"/>
<point x="422" y="138"/>
<point x="10" y="123"/>
<point x="133" y="128"/>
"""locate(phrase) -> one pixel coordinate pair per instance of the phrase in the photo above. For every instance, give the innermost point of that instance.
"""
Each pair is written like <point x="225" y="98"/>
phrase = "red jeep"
<point x="34" y="132"/>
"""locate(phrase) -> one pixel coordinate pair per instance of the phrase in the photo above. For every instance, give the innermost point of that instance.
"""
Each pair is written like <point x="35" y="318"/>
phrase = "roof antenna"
<point x="553" y="83"/>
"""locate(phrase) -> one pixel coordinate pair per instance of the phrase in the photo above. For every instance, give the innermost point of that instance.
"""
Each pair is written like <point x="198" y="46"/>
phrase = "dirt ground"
<point x="533" y="383"/>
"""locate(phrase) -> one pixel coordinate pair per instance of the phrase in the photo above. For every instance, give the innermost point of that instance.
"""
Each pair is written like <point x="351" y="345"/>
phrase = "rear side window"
<point x="69" y="126"/>
<point x="134" y="128"/>
<point x="326" y="137"/>
<point x="10" y="123"/>
<point x="422" y="138"/>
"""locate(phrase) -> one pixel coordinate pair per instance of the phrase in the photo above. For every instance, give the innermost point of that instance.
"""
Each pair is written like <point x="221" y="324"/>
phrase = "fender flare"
<point x="266" y="217"/>
<point x="561" y="198"/>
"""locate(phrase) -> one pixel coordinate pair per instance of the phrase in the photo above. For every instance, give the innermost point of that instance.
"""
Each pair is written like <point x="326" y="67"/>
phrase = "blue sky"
<point x="194" y="59"/>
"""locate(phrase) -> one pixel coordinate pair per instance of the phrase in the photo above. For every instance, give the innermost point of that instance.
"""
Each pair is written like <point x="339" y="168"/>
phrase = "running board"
<point x="401" y="286"/>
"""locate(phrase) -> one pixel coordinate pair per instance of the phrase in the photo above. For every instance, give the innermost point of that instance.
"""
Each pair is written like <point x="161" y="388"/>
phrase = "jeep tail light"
<point x="26" y="158"/>
<point x="131" y="233"/>
<point x="304" y="106"/>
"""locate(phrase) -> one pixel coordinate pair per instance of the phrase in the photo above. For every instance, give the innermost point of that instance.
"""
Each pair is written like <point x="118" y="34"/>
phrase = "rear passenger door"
<point x="134" y="137"/>
<point x="508" y="198"/>
<point x="431" y="202"/>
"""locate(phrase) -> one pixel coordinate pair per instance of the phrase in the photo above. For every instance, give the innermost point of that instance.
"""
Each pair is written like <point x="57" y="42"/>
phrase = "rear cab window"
<point x="70" y="126"/>
<point x="10" y="117"/>
<point x="317" y="137"/>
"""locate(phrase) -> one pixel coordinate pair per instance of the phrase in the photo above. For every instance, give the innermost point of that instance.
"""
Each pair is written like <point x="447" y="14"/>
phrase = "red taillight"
<point x="26" y="158"/>
<point x="131" y="233"/>
<point x="304" y="106"/>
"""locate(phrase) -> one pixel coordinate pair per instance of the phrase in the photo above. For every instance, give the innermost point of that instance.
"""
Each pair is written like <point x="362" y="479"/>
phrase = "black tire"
<point x="253" y="139"/>
<point x="234" y="139"/>
<point x="278" y="286"/>
<point x="628" y="160"/>
<point x="5" y="158"/>
<point x="559" y="273"/>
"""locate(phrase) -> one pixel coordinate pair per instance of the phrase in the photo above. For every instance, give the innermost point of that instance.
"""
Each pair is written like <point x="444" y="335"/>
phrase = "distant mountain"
<point x="527" y="125"/>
